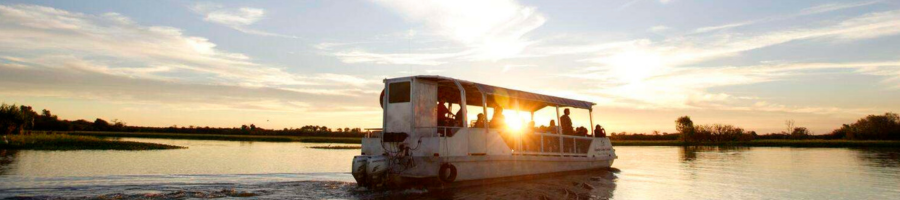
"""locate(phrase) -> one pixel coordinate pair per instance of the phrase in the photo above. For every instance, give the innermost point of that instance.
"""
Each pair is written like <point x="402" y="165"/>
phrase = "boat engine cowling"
<point x="359" y="169"/>
<point x="376" y="168"/>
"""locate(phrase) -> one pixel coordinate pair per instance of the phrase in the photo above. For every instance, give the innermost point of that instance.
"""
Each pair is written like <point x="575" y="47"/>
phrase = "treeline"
<point x="872" y="127"/>
<point x="22" y="119"/>
<point x="655" y="135"/>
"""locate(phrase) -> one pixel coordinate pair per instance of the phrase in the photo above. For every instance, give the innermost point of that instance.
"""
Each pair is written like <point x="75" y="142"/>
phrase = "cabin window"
<point x="399" y="92"/>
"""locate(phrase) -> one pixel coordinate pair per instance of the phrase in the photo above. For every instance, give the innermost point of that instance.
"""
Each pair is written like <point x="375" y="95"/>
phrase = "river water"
<point x="273" y="170"/>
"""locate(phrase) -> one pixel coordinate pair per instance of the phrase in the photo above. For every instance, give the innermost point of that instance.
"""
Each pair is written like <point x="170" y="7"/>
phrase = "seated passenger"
<point x="459" y="118"/>
<point x="498" y="120"/>
<point x="566" y="123"/>
<point x="552" y="126"/>
<point x="443" y="118"/>
<point x="581" y="131"/>
<point x="479" y="123"/>
<point x="599" y="131"/>
<point x="530" y="128"/>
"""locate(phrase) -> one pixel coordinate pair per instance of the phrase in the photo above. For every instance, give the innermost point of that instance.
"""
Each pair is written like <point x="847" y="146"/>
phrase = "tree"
<point x="790" y="126"/>
<point x="685" y="126"/>
<point x="11" y="119"/>
<point x="101" y="124"/>
<point x="872" y="127"/>
<point x="800" y="133"/>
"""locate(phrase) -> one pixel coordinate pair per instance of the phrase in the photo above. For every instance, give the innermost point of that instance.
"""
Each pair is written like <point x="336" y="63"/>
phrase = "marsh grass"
<point x="72" y="142"/>
<point x="764" y="143"/>
<point x="264" y="138"/>
<point x="335" y="147"/>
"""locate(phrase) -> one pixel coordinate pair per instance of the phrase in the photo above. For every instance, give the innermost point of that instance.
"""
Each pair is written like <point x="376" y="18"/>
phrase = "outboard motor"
<point x="359" y="169"/>
<point x="376" y="168"/>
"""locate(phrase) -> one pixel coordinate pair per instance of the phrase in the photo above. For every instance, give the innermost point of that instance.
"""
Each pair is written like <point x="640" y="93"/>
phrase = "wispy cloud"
<point x="808" y="11"/>
<point x="487" y="30"/>
<point x="661" y="75"/>
<point x="73" y="49"/>
<point x="237" y="19"/>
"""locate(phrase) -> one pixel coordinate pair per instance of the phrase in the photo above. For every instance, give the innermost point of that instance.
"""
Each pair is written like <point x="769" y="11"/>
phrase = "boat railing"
<point x="532" y="143"/>
<point x="550" y="144"/>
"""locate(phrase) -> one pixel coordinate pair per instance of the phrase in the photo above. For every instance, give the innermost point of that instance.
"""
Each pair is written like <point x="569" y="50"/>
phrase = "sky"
<point x="282" y="64"/>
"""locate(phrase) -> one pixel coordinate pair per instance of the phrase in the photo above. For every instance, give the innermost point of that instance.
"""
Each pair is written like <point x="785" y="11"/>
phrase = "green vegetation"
<point x="70" y="142"/>
<point x="335" y="147"/>
<point x="872" y="127"/>
<point x="15" y="119"/>
<point x="265" y="138"/>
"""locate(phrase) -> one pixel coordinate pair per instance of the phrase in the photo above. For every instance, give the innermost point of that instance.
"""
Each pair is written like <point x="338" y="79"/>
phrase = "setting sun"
<point x="515" y="121"/>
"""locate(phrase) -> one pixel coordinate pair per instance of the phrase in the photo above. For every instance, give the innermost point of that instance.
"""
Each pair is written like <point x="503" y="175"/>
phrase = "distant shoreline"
<point x="357" y="140"/>
<point x="195" y="136"/>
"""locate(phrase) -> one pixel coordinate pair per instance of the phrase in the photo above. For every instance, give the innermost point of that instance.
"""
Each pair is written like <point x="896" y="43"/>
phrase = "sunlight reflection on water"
<point x="286" y="170"/>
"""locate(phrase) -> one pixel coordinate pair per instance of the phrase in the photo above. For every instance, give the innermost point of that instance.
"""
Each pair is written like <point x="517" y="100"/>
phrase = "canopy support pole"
<point x="591" y="117"/>
<point x="559" y="130"/>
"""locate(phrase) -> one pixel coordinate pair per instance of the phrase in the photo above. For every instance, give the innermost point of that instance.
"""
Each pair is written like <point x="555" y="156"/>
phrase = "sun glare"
<point x="514" y="120"/>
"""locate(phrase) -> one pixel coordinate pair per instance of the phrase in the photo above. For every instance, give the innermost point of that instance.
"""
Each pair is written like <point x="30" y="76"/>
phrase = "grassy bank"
<point x="71" y="142"/>
<point x="764" y="143"/>
<point x="335" y="147"/>
<point x="265" y="138"/>
<point x="353" y="140"/>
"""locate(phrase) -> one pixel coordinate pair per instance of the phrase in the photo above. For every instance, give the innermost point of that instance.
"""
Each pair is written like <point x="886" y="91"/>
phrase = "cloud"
<point x="834" y="7"/>
<point x="84" y="55"/>
<point x="237" y="19"/>
<point x="626" y="5"/>
<point x="657" y="29"/>
<point x="662" y="75"/>
<point x="359" y="56"/>
<point x="487" y="30"/>
<point x="807" y="11"/>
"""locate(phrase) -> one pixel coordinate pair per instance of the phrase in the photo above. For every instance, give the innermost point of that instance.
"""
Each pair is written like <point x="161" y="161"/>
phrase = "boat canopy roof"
<point x="505" y="97"/>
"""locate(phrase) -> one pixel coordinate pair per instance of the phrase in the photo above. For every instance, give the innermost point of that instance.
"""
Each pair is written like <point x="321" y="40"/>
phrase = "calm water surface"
<point x="292" y="170"/>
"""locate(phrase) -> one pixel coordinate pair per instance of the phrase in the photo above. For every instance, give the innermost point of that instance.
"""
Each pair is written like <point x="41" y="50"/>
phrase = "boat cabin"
<point x="491" y="121"/>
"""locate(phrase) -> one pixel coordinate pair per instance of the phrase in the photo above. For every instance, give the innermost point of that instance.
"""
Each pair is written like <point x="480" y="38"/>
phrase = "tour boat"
<point x="416" y="144"/>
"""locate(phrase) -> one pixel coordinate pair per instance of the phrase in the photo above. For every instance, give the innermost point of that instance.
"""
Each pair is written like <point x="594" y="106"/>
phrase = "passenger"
<point x="479" y="123"/>
<point x="498" y="120"/>
<point x="566" y="123"/>
<point x="581" y="131"/>
<point x="459" y="118"/>
<point x="599" y="131"/>
<point x="552" y="126"/>
<point x="443" y="118"/>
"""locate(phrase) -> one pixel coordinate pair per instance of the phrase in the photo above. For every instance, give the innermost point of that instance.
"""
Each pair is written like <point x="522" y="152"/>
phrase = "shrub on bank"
<point x="872" y="127"/>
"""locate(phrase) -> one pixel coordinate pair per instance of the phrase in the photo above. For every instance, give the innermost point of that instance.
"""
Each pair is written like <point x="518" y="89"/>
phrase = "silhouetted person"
<point x="599" y="131"/>
<point x="581" y="131"/>
<point x="459" y="118"/>
<point x="552" y="126"/>
<point x="443" y="114"/>
<point x="498" y="120"/>
<point x="479" y="122"/>
<point x="566" y="123"/>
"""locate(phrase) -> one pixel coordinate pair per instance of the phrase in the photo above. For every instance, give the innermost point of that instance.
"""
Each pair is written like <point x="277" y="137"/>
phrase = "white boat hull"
<point x="489" y="167"/>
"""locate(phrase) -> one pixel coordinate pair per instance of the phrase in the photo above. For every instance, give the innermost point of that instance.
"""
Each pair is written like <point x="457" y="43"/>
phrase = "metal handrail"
<point x="519" y="150"/>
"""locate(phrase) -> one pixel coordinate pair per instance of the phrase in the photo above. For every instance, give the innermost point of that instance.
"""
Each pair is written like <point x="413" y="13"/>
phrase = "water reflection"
<point x="7" y="157"/>
<point x="880" y="157"/>
<point x="599" y="184"/>
<point x="689" y="153"/>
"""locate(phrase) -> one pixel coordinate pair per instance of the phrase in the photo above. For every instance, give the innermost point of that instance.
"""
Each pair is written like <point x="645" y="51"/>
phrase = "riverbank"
<point x="72" y="142"/>
<point x="263" y="138"/>
<point x="355" y="140"/>
<point x="764" y="143"/>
